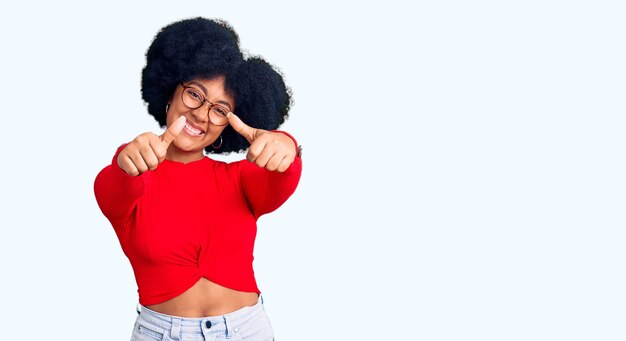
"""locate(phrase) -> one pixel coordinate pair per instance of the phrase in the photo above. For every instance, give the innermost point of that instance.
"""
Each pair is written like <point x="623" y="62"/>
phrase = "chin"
<point x="188" y="147"/>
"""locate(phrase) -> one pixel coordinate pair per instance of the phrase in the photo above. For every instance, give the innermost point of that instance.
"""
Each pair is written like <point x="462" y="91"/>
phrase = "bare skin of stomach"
<point x="206" y="298"/>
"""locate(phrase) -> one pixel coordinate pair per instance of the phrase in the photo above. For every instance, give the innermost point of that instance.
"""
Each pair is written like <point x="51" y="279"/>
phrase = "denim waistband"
<point x="175" y="325"/>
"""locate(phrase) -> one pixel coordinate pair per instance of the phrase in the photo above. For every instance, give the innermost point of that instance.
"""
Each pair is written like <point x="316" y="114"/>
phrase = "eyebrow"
<point x="206" y="93"/>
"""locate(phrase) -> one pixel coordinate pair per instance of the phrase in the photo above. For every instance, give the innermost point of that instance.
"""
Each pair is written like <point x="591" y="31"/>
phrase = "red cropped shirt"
<point x="182" y="222"/>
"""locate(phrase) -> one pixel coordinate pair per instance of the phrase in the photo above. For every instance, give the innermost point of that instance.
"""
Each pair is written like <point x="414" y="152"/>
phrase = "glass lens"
<point x="218" y="114"/>
<point x="192" y="98"/>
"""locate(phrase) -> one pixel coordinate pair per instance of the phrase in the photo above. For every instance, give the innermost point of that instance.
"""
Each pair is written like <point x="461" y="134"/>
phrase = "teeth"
<point x="193" y="130"/>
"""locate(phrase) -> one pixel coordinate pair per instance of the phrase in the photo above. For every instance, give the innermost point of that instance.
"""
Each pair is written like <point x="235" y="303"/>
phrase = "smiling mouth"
<point x="193" y="131"/>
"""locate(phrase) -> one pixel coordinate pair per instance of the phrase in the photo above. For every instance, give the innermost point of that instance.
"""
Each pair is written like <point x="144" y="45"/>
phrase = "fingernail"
<point x="229" y="113"/>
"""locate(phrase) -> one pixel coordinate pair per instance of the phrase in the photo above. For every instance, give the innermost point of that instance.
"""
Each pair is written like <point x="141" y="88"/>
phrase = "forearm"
<point x="117" y="192"/>
<point x="265" y="190"/>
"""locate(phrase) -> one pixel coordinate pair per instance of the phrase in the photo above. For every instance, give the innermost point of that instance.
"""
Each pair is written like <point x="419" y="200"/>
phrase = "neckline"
<point x="188" y="164"/>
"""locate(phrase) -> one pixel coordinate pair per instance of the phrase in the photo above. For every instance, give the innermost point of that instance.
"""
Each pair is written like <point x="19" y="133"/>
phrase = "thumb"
<point x="243" y="129"/>
<point x="173" y="130"/>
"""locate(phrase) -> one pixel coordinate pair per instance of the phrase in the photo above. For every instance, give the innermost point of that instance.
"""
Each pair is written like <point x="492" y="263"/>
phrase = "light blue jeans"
<point x="247" y="323"/>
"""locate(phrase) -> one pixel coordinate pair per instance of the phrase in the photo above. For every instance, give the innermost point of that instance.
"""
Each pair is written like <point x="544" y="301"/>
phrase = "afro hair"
<point x="201" y="48"/>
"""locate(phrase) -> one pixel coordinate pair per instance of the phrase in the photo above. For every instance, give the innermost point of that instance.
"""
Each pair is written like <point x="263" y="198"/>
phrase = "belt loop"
<point x="261" y="296"/>
<point x="138" y="308"/>
<point x="228" y="331"/>
<point x="175" y="331"/>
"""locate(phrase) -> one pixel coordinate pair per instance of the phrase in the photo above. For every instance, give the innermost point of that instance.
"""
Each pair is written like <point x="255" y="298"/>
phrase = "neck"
<point x="174" y="154"/>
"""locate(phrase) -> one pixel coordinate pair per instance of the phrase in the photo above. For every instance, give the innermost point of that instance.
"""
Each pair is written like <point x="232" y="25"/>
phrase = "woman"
<point x="187" y="223"/>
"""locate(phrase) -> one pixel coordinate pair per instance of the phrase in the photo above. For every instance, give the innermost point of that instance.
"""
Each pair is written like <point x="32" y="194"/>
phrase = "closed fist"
<point x="270" y="150"/>
<point x="148" y="150"/>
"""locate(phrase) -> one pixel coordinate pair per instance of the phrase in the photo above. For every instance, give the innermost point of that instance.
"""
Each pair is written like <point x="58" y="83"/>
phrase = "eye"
<point x="195" y="95"/>
<point x="220" y="110"/>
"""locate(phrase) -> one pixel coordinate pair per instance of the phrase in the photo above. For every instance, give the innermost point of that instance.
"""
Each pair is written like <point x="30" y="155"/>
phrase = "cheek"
<point x="216" y="130"/>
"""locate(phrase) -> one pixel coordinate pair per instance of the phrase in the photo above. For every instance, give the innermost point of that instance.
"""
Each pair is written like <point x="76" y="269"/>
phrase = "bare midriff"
<point x="206" y="298"/>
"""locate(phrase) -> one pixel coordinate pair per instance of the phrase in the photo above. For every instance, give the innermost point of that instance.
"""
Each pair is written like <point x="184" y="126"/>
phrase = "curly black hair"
<point x="202" y="48"/>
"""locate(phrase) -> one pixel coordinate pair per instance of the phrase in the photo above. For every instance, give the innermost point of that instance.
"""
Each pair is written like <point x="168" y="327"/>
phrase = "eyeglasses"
<point x="193" y="99"/>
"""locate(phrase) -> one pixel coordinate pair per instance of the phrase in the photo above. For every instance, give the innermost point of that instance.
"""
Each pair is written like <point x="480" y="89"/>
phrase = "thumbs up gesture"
<point x="270" y="150"/>
<point x="148" y="150"/>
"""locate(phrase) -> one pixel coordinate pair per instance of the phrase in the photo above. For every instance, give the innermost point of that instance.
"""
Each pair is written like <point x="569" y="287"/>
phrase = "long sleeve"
<point x="117" y="192"/>
<point x="265" y="190"/>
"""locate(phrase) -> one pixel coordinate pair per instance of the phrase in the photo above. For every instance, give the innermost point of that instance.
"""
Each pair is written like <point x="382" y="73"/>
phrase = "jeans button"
<point x="208" y="324"/>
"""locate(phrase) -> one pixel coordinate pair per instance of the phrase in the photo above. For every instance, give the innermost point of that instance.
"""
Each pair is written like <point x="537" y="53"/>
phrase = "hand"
<point x="270" y="150"/>
<point x="148" y="150"/>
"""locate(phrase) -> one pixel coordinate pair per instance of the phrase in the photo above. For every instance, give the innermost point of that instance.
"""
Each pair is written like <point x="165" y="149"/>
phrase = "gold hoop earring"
<point x="219" y="145"/>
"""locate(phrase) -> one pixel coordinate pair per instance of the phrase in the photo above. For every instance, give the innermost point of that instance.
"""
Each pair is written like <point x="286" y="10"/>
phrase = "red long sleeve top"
<point x="182" y="222"/>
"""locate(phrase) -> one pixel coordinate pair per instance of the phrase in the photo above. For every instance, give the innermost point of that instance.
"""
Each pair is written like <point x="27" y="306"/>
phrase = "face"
<point x="200" y="131"/>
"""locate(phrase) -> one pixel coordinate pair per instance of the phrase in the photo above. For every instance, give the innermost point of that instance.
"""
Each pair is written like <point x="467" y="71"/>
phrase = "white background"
<point x="463" y="167"/>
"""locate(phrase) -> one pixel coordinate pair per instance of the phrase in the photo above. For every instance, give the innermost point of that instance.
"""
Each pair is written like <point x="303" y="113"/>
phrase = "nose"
<point x="201" y="114"/>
